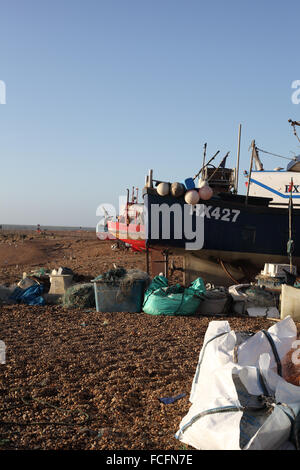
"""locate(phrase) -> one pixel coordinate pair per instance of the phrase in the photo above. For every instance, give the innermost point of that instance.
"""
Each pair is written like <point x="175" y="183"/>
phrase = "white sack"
<point x="234" y="369"/>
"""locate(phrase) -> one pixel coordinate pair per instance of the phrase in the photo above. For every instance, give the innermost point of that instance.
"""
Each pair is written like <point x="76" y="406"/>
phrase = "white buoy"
<point x="163" y="189"/>
<point x="177" y="189"/>
<point x="192" y="197"/>
<point x="202" y="183"/>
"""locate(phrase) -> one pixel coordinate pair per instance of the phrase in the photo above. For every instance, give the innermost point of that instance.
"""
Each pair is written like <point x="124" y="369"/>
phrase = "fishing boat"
<point x="241" y="232"/>
<point x="128" y="227"/>
<point x="275" y="183"/>
<point x="240" y="235"/>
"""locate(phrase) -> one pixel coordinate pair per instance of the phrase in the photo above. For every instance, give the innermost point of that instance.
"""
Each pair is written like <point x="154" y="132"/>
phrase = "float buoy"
<point x="192" y="197"/>
<point x="205" y="192"/>
<point x="177" y="189"/>
<point x="163" y="189"/>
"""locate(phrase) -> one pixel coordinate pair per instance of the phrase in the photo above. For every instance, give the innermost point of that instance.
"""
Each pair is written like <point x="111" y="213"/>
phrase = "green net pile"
<point x="79" y="296"/>
<point x="260" y="297"/>
<point x="124" y="279"/>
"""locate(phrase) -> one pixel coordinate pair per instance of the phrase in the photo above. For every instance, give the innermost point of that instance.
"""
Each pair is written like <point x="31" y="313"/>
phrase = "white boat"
<point x="276" y="184"/>
<point x="280" y="183"/>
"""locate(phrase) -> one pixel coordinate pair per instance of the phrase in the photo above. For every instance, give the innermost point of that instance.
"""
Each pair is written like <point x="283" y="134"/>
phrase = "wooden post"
<point x="290" y="243"/>
<point x="250" y="171"/>
<point x="150" y="179"/>
<point x="147" y="260"/>
<point x="204" y="157"/>
<point x="166" y="259"/>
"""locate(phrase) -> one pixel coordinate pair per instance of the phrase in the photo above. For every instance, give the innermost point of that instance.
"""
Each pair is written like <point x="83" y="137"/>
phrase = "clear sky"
<point x="99" y="91"/>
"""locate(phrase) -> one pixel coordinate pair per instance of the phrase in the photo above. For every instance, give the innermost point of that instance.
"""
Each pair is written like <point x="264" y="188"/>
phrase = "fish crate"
<point x="112" y="296"/>
<point x="59" y="283"/>
<point x="278" y="270"/>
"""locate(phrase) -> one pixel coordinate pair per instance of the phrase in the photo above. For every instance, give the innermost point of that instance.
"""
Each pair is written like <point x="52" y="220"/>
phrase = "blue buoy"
<point x="189" y="183"/>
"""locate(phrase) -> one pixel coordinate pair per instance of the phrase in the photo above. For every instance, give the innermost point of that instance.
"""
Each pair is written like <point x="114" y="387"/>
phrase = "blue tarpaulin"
<point x="30" y="296"/>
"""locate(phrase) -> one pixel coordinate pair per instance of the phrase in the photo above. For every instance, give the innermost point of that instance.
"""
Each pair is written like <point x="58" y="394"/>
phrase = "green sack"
<point x="162" y="299"/>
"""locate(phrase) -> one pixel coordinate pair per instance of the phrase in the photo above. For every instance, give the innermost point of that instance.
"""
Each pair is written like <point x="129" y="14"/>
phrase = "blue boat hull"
<point x="233" y="230"/>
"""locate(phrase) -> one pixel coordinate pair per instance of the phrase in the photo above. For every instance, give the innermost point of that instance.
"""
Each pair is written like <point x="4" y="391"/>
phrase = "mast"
<point x="238" y="161"/>
<point x="250" y="170"/>
<point x="290" y="244"/>
<point x="127" y="204"/>
<point x="204" y="155"/>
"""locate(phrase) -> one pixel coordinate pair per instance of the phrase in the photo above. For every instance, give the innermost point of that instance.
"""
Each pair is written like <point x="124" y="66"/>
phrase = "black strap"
<point x="203" y="351"/>
<point x="276" y="355"/>
<point x="265" y="405"/>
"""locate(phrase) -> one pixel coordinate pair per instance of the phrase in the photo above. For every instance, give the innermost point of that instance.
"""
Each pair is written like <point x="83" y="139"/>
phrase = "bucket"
<point x="214" y="303"/>
<point x="111" y="296"/>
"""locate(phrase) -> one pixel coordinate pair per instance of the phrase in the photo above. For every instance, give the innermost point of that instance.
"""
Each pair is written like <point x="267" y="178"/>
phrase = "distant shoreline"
<point x="53" y="228"/>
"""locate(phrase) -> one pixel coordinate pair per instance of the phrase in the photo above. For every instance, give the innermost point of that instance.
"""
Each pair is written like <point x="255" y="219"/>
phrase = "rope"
<point x="227" y="272"/>
<point x="294" y="124"/>
<point x="276" y="155"/>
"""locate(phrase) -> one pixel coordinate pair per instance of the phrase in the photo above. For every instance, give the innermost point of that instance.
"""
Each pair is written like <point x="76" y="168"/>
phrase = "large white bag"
<point x="239" y="399"/>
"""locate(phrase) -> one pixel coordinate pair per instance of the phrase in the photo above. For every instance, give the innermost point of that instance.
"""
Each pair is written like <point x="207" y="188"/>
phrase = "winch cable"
<point x="276" y="155"/>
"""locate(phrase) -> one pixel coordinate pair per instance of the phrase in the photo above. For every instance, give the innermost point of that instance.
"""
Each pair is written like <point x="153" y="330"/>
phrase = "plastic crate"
<point x="59" y="283"/>
<point x="110" y="296"/>
<point x="277" y="270"/>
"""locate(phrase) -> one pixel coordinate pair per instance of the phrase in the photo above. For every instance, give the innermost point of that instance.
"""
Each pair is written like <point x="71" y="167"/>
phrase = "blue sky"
<point x="99" y="91"/>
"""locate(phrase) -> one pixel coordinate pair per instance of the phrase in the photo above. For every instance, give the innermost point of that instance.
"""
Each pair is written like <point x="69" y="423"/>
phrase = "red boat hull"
<point x="132" y="234"/>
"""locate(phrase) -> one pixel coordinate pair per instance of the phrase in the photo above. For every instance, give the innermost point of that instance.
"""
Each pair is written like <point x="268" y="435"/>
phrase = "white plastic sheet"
<point x="268" y="312"/>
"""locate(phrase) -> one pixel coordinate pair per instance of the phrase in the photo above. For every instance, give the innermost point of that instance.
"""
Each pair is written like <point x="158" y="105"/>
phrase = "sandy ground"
<point x="79" y="379"/>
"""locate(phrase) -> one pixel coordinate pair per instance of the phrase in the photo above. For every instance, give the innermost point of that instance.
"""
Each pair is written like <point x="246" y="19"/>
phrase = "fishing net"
<point x="260" y="297"/>
<point x="133" y="275"/>
<point x="40" y="272"/>
<point x="83" y="295"/>
<point x="79" y="296"/>
<point x="5" y="293"/>
<point x="113" y="275"/>
<point x="124" y="280"/>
